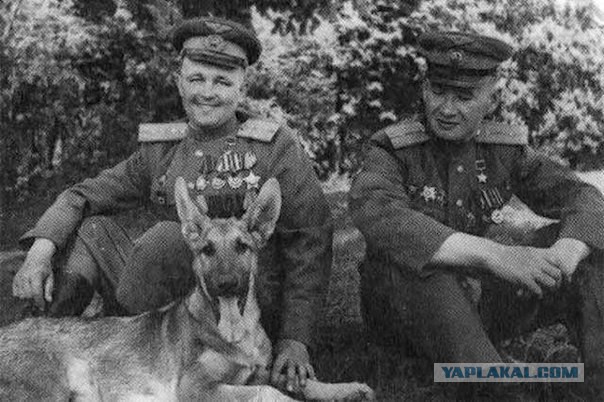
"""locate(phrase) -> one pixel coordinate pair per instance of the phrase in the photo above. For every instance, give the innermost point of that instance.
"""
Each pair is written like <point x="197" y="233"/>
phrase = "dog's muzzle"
<point x="228" y="287"/>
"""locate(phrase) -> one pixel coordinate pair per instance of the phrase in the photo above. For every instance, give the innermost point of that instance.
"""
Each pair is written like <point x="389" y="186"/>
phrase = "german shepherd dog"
<point x="209" y="346"/>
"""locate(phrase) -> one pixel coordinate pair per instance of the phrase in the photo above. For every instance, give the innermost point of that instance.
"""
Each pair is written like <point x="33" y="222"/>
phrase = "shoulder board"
<point x="406" y="133"/>
<point x="153" y="132"/>
<point x="502" y="133"/>
<point x="258" y="129"/>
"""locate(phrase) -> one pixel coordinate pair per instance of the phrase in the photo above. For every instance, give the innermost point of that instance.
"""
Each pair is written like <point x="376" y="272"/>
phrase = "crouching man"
<point x="430" y="189"/>
<point x="226" y="157"/>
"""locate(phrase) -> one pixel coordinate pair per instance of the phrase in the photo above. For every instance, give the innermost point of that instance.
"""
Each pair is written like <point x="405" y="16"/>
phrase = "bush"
<point x="75" y="92"/>
<point x="553" y="84"/>
<point x="75" y="89"/>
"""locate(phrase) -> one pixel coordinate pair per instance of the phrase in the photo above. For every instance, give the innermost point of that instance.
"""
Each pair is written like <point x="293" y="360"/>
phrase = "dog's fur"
<point x="207" y="346"/>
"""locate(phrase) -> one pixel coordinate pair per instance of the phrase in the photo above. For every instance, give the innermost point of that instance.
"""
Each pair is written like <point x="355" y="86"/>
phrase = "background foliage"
<point x="78" y="76"/>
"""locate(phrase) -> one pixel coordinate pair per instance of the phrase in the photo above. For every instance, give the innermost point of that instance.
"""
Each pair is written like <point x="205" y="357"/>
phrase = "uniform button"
<point x="459" y="203"/>
<point x="460" y="169"/>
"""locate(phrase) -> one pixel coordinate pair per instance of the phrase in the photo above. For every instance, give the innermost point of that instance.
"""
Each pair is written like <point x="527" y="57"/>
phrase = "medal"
<point x="252" y="180"/>
<point x="201" y="183"/>
<point x="481" y="166"/>
<point x="218" y="183"/>
<point x="497" y="217"/>
<point x="162" y="180"/>
<point x="429" y="193"/>
<point x="222" y="164"/>
<point x="235" y="162"/>
<point x="496" y="195"/>
<point x="249" y="160"/>
<point x="235" y="181"/>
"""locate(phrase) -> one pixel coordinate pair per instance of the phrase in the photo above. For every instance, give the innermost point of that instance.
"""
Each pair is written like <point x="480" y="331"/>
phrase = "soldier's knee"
<point x="163" y="235"/>
<point x="159" y="248"/>
<point x="90" y="226"/>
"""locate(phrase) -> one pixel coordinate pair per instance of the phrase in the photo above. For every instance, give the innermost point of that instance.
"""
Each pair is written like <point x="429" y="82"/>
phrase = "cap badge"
<point x="218" y="27"/>
<point x="215" y="43"/>
<point x="455" y="57"/>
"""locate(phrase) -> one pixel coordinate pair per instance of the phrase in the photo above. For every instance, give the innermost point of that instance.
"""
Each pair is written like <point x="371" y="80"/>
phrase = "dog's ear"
<point x="261" y="217"/>
<point x="192" y="217"/>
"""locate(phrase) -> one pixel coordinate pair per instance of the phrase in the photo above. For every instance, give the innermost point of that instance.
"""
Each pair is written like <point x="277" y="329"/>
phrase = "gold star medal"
<point x="481" y="166"/>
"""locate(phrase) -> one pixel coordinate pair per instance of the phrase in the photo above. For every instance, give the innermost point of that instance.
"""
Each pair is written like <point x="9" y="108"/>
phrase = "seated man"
<point x="430" y="189"/>
<point x="224" y="156"/>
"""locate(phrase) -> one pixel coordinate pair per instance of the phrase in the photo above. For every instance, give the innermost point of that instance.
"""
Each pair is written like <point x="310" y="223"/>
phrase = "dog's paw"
<point x="360" y="392"/>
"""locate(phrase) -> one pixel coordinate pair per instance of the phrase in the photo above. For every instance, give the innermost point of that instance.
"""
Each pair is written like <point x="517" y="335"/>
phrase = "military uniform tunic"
<point x="227" y="167"/>
<point x="415" y="190"/>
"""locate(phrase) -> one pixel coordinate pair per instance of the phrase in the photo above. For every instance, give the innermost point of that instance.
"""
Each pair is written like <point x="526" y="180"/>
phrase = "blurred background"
<point x="78" y="76"/>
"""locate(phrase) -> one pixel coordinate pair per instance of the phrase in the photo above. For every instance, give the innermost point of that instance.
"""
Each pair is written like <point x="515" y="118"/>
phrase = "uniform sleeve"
<point x="303" y="238"/>
<point x="114" y="189"/>
<point x="554" y="191"/>
<point x="380" y="209"/>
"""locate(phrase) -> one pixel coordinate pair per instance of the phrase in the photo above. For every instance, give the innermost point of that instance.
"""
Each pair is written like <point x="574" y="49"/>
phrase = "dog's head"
<point x="226" y="250"/>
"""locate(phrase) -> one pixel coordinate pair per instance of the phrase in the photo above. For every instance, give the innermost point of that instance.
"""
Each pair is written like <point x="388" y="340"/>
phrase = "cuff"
<point x="584" y="227"/>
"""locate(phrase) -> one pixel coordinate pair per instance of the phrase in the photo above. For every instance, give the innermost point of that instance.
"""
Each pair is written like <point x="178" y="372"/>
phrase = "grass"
<point x="343" y="351"/>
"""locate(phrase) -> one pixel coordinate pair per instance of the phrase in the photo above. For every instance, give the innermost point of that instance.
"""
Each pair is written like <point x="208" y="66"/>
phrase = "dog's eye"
<point x="208" y="249"/>
<point x="241" y="247"/>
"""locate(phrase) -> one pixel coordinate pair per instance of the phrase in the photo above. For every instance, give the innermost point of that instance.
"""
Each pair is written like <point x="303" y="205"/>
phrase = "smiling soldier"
<point x="431" y="187"/>
<point x="224" y="156"/>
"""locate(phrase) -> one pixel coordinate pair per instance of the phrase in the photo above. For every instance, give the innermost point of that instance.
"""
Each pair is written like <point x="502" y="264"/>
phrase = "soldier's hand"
<point x="566" y="254"/>
<point x="35" y="279"/>
<point x="526" y="266"/>
<point x="292" y="365"/>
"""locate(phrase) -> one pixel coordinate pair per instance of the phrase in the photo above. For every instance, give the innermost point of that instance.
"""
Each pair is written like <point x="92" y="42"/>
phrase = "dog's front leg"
<point x="316" y="390"/>
<point x="259" y="393"/>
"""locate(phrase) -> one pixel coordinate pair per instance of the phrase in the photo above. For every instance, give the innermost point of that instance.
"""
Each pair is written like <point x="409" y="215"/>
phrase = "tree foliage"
<point x="553" y="84"/>
<point x="78" y="76"/>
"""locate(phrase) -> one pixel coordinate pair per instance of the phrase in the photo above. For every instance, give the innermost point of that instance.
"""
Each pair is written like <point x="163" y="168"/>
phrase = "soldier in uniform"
<point x="223" y="155"/>
<point x="430" y="189"/>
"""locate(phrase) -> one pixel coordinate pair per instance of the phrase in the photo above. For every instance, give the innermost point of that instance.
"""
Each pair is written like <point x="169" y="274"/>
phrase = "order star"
<point x="252" y="180"/>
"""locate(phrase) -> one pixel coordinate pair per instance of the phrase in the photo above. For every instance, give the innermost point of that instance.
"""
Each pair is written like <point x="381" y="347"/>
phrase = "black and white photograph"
<point x="301" y="200"/>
